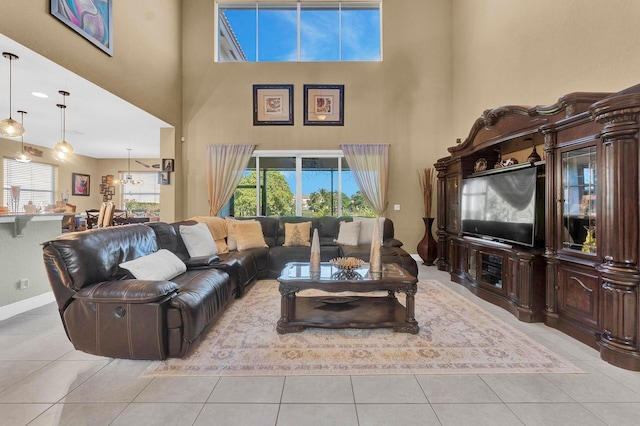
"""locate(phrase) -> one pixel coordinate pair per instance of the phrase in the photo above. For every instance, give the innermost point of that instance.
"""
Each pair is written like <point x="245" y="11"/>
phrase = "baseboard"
<point x="26" y="305"/>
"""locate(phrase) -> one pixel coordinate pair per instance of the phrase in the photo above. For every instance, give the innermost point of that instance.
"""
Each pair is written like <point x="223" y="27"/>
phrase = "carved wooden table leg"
<point x="287" y="309"/>
<point x="411" y="325"/>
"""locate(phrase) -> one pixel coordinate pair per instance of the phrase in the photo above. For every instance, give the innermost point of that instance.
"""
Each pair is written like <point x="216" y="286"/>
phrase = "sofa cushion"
<point x="297" y="234"/>
<point x="198" y="240"/>
<point x="159" y="266"/>
<point x="218" y="228"/>
<point x="349" y="233"/>
<point x="249" y="235"/>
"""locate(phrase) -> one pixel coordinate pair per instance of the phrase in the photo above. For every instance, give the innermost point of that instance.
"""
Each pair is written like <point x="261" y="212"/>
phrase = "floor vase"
<point x="428" y="247"/>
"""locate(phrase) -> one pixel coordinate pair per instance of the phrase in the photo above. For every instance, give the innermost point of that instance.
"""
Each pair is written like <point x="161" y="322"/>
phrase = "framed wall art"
<point x="92" y="19"/>
<point x="167" y="165"/>
<point x="164" y="178"/>
<point x="272" y="104"/>
<point x="323" y="105"/>
<point x="80" y="184"/>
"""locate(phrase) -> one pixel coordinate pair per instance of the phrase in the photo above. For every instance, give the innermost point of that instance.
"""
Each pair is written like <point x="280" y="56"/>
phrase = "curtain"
<point x="225" y="166"/>
<point x="369" y="164"/>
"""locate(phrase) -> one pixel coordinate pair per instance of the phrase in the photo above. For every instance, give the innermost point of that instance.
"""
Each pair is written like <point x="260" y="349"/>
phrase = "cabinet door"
<point x="579" y="295"/>
<point x="579" y="175"/>
<point x="453" y="204"/>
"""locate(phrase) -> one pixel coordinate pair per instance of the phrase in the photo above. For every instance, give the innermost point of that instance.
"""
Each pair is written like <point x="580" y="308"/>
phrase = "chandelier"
<point x="128" y="179"/>
<point x="63" y="149"/>
<point x="10" y="128"/>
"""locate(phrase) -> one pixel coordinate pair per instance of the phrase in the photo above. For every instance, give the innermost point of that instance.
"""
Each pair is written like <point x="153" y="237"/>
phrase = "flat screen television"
<point x="504" y="206"/>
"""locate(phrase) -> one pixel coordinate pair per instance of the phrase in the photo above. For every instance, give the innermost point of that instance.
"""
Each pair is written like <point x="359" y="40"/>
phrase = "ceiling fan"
<point x="155" y="166"/>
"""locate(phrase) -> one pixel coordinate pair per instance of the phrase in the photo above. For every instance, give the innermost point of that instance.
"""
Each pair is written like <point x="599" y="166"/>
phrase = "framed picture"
<point x="272" y="104"/>
<point x="324" y="105"/>
<point x="80" y="184"/>
<point x="164" y="178"/>
<point x="167" y="165"/>
<point x="91" y="19"/>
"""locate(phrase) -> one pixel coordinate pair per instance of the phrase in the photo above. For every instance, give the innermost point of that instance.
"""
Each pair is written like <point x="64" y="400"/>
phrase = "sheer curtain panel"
<point x="369" y="164"/>
<point x="225" y="167"/>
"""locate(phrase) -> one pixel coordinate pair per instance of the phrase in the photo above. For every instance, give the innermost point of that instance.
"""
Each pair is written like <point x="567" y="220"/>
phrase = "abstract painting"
<point x="90" y="18"/>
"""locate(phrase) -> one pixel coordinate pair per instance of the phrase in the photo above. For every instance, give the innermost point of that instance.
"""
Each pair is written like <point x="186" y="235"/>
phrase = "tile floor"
<point x="43" y="381"/>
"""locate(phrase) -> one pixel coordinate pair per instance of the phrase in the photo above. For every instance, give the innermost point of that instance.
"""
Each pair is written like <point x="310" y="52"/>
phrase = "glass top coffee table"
<point x="346" y="311"/>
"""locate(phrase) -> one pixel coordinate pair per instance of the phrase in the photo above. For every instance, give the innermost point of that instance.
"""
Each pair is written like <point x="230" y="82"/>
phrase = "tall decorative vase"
<point x="375" y="258"/>
<point x="428" y="247"/>
<point x="314" y="261"/>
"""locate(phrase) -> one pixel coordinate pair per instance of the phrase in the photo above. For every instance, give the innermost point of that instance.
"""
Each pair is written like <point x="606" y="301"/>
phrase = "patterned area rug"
<point x="456" y="337"/>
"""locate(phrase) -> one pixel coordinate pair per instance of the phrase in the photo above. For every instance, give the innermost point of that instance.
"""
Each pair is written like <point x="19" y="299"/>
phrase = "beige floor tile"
<point x="396" y="414"/>
<point x="525" y="388"/>
<point x="178" y="389"/>
<point x="318" y="389"/>
<point x="163" y="413"/>
<point x="475" y="415"/>
<point x="79" y="414"/>
<point x="12" y="372"/>
<point x="238" y="415"/>
<point x="456" y="389"/>
<point x="387" y="389"/>
<point x="616" y="413"/>
<point x="560" y="414"/>
<point x="20" y="414"/>
<point x="248" y="389"/>
<point x="317" y="415"/>
<point x="593" y="387"/>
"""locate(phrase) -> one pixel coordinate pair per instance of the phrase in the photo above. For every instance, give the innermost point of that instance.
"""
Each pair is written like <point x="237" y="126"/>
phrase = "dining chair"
<point x="107" y="219"/>
<point x="92" y="218"/>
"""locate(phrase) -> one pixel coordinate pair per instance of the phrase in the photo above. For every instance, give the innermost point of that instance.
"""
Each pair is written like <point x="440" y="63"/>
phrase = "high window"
<point x="281" y="183"/>
<point x="143" y="199"/>
<point x="36" y="181"/>
<point x="299" y="31"/>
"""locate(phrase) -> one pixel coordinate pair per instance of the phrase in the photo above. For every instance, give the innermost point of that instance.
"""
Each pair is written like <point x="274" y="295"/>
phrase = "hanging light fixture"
<point x="128" y="179"/>
<point x="10" y="128"/>
<point x="63" y="149"/>
<point x="22" y="155"/>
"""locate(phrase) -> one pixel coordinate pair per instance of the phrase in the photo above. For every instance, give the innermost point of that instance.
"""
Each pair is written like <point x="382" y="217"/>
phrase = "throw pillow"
<point x="159" y="266"/>
<point x="249" y="234"/>
<point x="198" y="240"/>
<point x="366" y="228"/>
<point x="232" y="241"/>
<point x="218" y="228"/>
<point x="348" y="234"/>
<point x="297" y="234"/>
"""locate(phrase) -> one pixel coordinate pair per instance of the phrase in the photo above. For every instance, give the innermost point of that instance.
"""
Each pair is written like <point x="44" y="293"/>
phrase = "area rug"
<point x="456" y="337"/>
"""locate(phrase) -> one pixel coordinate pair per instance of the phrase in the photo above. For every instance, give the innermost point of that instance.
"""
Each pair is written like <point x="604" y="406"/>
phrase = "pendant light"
<point x="63" y="149"/>
<point x="22" y="155"/>
<point x="128" y="179"/>
<point x="10" y="128"/>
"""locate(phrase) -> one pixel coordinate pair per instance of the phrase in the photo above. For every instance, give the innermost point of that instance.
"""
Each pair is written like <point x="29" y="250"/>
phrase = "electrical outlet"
<point x="24" y="283"/>
<point x="396" y="206"/>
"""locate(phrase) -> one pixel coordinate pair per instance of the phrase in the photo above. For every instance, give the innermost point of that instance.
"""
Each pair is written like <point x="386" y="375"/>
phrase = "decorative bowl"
<point x="347" y="263"/>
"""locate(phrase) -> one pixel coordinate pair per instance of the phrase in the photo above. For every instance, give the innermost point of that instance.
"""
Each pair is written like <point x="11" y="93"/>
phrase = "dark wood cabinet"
<point x="583" y="278"/>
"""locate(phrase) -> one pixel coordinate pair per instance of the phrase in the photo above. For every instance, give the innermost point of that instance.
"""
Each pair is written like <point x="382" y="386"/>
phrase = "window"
<point x="280" y="183"/>
<point x="143" y="199"/>
<point x="36" y="181"/>
<point x="302" y="31"/>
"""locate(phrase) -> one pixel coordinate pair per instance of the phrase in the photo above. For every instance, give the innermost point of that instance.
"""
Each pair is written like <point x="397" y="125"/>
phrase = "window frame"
<point x="24" y="191"/>
<point x="139" y="175"/>
<point x="299" y="6"/>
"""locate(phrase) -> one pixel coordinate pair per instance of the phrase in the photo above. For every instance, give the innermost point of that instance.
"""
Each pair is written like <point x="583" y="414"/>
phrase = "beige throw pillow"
<point x="249" y="234"/>
<point x="348" y="234"/>
<point x="232" y="241"/>
<point x="366" y="228"/>
<point x="159" y="266"/>
<point x="297" y="234"/>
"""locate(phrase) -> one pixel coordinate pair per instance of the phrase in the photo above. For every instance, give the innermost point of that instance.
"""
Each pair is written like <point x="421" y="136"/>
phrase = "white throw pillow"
<point x="198" y="240"/>
<point x="348" y="234"/>
<point x="159" y="266"/>
<point x="366" y="228"/>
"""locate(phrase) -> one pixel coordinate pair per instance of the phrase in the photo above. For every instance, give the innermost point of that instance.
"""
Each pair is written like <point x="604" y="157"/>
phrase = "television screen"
<point x="501" y="206"/>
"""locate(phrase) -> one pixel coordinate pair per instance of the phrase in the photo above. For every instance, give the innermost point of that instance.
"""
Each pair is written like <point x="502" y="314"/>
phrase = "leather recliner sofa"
<point x="106" y="312"/>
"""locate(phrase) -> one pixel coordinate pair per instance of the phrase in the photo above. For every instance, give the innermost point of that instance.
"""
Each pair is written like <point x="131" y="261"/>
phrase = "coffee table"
<point x="342" y="311"/>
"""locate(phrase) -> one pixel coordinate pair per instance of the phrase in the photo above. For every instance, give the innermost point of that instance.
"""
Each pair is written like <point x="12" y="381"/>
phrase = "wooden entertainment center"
<point x="582" y="277"/>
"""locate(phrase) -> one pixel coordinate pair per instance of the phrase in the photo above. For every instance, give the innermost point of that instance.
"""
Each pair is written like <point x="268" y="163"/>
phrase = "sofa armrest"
<point x="127" y="291"/>
<point x="392" y="242"/>
<point x="201" y="261"/>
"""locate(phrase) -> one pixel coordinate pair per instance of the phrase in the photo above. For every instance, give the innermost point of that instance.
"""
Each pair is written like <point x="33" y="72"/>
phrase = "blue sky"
<point x="319" y="33"/>
<point x="320" y="179"/>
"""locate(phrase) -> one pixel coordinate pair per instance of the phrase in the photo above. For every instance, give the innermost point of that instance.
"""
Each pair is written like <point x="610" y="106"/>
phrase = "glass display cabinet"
<point x="579" y="200"/>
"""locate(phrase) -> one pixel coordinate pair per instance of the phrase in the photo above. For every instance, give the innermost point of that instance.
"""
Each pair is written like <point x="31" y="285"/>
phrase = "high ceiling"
<point x="98" y="123"/>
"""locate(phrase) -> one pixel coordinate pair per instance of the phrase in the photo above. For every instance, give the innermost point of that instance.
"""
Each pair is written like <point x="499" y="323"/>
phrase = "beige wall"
<point x="405" y="101"/>
<point x="145" y="68"/>
<point x="531" y="52"/>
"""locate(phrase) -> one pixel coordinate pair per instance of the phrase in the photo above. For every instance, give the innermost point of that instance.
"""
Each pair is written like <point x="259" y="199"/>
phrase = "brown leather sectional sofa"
<point x="107" y="312"/>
